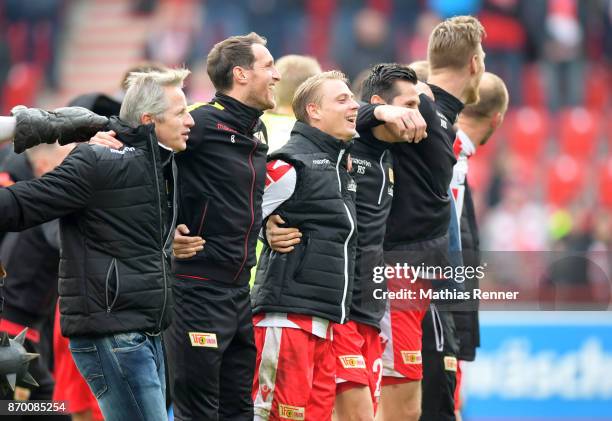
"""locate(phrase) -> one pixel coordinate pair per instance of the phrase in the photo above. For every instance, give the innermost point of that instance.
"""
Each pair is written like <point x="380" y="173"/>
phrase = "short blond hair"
<point x="454" y="42"/>
<point x="309" y="92"/>
<point x="145" y="93"/>
<point x="493" y="95"/>
<point x="421" y="68"/>
<point x="294" y="70"/>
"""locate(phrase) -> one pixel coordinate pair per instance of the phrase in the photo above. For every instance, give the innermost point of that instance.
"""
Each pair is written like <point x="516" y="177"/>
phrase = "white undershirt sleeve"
<point x="280" y="185"/>
<point x="7" y="128"/>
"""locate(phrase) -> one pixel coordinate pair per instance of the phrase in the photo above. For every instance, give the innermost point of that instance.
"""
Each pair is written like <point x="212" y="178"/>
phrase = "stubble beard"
<point x="261" y="102"/>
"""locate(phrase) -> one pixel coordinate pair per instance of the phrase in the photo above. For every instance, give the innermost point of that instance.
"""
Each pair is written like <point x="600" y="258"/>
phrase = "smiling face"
<point x="172" y="127"/>
<point x="336" y="112"/>
<point x="261" y="78"/>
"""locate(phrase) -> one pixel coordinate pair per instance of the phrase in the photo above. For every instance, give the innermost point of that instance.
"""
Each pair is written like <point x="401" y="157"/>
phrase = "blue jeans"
<point x="125" y="372"/>
<point x="454" y="235"/>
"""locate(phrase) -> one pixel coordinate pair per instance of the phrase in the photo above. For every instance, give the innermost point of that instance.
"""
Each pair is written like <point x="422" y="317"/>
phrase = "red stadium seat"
<point x="523" y="171"/>
<point x="533" y="87"/>
<point x="608" y="119"/>
<point x="16" y="36"/>
<point x="565" y="180"/>
<point x="598" y="87"/>
<point x="605" y="183"/>
<point x="494" y="144"/>
<point x="21" y="86"/>
<point x="479" y="172"/>
<point x="578" y="130"/>
<point x="528" y="130"/>
<point x="320" y="13"/>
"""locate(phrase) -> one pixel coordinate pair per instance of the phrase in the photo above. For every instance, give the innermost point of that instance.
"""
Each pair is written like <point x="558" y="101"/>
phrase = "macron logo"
<point x="124" y="150"/>
<point x="443" y="120"/>
<point x="225" y="127"/>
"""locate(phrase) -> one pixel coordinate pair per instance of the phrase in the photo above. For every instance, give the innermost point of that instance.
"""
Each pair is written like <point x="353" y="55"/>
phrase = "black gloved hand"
<point x="64" y="125"/>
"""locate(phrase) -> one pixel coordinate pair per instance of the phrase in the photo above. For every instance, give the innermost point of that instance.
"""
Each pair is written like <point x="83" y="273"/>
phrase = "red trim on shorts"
<point x="459" y="377"/>
<point x="390" y="381"/>
<point x="304" y="381"/>
<point x="344" y="386"/>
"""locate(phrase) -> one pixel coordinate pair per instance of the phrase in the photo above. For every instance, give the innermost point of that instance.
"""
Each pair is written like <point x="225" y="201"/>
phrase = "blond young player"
<point x="418" y="224"/>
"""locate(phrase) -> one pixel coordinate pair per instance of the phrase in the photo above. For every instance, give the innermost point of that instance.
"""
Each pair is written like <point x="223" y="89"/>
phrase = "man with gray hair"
<point x="212" y="332"/>
<point x="117" y="211"/>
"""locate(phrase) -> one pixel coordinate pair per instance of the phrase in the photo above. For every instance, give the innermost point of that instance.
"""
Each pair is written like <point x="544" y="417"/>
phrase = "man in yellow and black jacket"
<point x="210" y="345"/>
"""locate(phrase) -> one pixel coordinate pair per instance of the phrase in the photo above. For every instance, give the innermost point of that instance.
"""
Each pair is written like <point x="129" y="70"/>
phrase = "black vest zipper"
<point x="164" y="256"/>
<point x="384" y="177"/>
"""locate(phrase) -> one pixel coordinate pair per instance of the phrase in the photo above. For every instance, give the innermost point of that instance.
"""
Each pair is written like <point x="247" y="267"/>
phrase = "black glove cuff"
<point x="64" y="125"/>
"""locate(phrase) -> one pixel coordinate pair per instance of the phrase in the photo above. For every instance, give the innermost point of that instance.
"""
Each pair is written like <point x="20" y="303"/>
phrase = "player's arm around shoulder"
<point x="281" y="180"/>
<point x="66" y="189"/>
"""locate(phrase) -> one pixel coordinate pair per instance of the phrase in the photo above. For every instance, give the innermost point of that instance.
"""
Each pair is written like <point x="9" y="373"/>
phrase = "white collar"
<point x="467" y="146"/>
<point x="164" y="147"/>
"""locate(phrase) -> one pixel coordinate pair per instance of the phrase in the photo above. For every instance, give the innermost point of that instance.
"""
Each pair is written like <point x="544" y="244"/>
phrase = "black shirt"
<point x="420" y="212"/>
<point x="373" y="173"/>
<point x="222" y="179"/>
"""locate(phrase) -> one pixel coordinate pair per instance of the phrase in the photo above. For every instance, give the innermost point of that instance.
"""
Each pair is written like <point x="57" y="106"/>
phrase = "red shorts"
<point x="358" y="354"/>
<point x="294" y="375"/>
<point x="459" y="376"/>
<point x="70" y="386"/>
<point x="401" y="334"/>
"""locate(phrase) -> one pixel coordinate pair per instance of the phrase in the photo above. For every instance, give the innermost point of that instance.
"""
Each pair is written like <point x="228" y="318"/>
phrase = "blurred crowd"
<point x="544" y="182"/>
<point x="566" y="40"/>
<point x="30" y="35"/>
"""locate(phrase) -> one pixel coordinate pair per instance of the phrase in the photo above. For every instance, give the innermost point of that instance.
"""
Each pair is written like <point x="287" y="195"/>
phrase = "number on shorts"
<point x="377" y="367"/>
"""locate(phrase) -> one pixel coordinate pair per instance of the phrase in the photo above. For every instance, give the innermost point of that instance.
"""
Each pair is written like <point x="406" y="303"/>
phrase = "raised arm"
<point x="32" y="126"/>
<point x="7" y="129"/>
<point x="403" y="124"/>
<point x="60" y="192"/>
